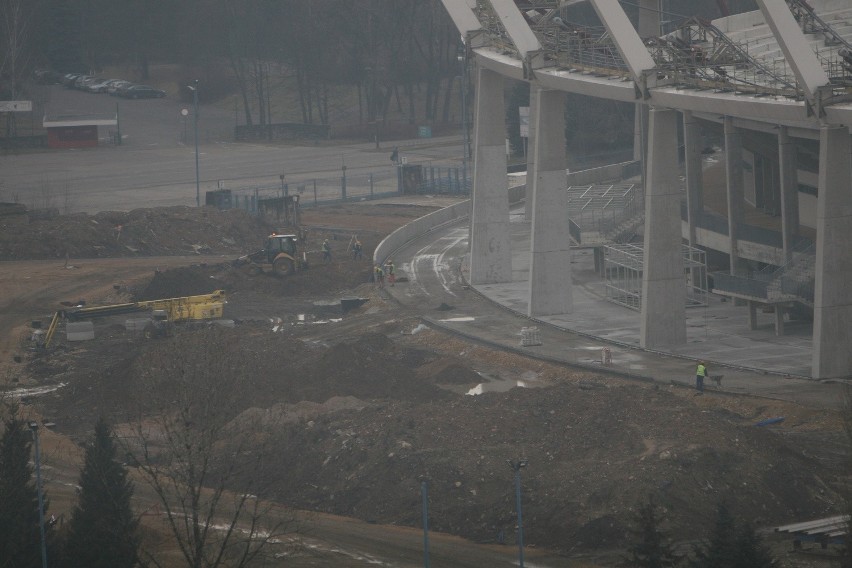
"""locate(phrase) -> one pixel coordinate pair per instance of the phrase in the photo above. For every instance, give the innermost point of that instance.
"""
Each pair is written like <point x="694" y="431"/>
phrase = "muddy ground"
<point x="364" y="410"/>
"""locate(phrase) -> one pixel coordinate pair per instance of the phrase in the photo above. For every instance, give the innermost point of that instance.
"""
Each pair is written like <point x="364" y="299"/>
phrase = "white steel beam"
<point x="462" y="15"/>
<point x="522" y="36"/>
<point x="628" y="42"/>
<point x="809" y="73"/>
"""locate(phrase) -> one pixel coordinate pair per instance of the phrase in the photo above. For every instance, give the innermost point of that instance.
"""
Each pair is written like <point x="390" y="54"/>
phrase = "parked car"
<point x="100" y="86"/>
<point x="68" y="80"/>
<point x="83" y="81"/>
<point x="141" y="92"/>
<point x="118" y="86"/>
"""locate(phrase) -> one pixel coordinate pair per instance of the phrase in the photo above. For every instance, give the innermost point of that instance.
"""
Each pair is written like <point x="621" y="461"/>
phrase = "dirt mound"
<point x="367" y="422"/>
<point x="367" y="368"/>
<point x="190" y="281"/>
<point x="584" y="449"/>
<point x="141" y="232"/>
<point x="446" y="371"/>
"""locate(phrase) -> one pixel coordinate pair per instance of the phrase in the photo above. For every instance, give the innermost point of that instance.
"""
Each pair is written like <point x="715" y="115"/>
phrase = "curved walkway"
<point x="435" y="265"/>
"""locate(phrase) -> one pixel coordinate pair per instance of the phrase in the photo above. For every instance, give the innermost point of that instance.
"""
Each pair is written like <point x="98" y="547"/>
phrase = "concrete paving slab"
<point x="753" y="362"/>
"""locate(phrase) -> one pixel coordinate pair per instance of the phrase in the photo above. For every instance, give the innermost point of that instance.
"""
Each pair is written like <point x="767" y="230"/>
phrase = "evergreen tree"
<point x="751" y="552"/>
<point x="732" y="546"/>
<point x="102" y="531"/>
<point x="651" y="547"/>
<point x="20" y="541"/>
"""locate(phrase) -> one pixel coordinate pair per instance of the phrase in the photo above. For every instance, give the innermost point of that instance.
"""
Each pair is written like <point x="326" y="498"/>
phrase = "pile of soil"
<point x="594" y="456"/>
<point x="141" y="232"/>
<point x="368" y="420"/>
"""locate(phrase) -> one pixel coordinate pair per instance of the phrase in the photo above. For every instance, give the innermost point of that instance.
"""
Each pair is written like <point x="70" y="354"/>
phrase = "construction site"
<point x="528" y="350"/>
<point x="366" y="402"/>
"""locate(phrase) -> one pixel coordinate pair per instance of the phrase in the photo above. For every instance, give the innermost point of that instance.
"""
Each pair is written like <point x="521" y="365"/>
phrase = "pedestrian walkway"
<point x="751" y="362"/>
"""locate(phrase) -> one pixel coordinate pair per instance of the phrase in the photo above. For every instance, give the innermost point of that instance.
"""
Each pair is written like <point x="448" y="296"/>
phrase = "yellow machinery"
<point x="280" y="253"/>
<point x="187" y="308"/>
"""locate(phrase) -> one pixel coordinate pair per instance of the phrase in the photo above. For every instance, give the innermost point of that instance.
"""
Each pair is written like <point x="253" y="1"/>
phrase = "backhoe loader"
<point x="279" y="254"/>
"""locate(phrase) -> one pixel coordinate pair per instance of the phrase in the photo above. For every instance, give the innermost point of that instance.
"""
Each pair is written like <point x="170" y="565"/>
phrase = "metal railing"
<point x="605" y="209"/>
<point x="695" y="55"/>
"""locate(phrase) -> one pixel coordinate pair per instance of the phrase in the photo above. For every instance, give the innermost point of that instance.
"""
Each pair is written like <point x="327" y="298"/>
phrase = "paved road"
<point x="154" y="167"/>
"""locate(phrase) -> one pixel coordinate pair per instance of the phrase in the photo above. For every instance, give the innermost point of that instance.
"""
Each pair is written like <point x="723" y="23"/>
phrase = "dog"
<point x="717" y="379"/>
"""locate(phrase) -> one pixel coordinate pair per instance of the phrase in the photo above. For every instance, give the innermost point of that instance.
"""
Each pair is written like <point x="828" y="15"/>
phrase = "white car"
<point x="117" y="86"/>
<point x="100" y="86"/>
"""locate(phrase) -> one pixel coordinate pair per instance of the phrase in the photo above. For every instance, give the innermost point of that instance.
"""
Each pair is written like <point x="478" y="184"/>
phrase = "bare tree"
<point x="15" y="52"/>
<point x="205" y="468"/>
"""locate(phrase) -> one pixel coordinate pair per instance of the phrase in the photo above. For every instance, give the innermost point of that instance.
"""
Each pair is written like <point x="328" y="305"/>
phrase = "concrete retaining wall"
<point x="419" y="227"/>
<point x="423" y="225"/>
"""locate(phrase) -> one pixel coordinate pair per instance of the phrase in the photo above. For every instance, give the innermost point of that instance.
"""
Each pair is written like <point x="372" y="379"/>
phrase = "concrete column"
<point x="789" y="184"/>
<point x="734" y="181"/>
<point x="638" y="143"/>
<point x="532" y="172"/>
<point x="692" y="169"/>
<point x="832" y="334"/>
<point x="752" y="314"/>
<point x="490" y="250"/>
<point x="550" y="265"/>
<point x="663" y="286"/>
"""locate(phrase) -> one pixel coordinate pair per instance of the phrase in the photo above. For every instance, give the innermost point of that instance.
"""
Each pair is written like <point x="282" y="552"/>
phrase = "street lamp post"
<point x="516" y="466"/>
<point x="285" y="194"/>
<point x="194" y="89"/>
<point x="424" y="492"/>
<point x="34" y="429"/>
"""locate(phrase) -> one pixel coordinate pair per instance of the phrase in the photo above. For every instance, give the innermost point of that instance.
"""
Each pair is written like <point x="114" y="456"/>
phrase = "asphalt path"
<point x="155" y="164"/>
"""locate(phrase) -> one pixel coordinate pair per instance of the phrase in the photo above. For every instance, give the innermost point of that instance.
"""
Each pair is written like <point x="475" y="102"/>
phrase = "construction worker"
<point x="700" y="373"/>
<point x="380" y="277"/>
<point x="357" y="250"/>
<point x="326" y="251"/>
<point x="391" y="273"/>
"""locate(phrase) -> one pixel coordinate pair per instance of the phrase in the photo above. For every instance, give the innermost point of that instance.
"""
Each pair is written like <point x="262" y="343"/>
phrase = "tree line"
<point x="400" y="53"/>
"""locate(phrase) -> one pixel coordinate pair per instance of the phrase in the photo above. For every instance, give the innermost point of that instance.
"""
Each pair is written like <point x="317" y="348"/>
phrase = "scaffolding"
<point x="694" y="55"/>
<point x="602" y="212"/>
<point x="624" y="265"/>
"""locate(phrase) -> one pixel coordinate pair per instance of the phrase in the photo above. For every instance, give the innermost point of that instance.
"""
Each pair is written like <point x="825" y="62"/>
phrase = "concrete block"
<point x="79" y="331"/>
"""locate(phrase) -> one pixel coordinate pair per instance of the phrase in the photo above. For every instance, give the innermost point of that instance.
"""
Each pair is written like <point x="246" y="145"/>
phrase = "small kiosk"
<point x="75" y="131"/>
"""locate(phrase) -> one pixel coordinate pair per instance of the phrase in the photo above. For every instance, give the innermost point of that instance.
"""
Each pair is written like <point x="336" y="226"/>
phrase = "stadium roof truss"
<point x="696" y="56"/>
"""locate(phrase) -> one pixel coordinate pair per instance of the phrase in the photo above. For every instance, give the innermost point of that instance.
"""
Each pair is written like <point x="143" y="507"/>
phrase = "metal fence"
<point x="350" y="185"/>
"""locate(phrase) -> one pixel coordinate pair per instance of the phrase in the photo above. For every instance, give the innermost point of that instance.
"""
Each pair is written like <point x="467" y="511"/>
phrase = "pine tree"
<point x="102" y="531"/>
<point x="751" y="552"/>
<point x="20" y="541"/>
<point x="651" y="547"/>
<point x="732" y="546"/>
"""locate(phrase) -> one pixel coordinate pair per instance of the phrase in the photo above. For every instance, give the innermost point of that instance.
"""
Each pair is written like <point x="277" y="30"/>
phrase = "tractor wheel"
<point x="284" y="267"/>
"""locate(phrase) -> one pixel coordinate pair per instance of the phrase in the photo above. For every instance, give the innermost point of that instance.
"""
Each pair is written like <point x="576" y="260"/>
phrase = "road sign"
<point x="424" y="131"/>
<point x="16" y="106"/>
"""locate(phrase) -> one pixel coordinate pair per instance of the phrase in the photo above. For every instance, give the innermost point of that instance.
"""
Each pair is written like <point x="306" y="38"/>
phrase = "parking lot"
<point x="154" y="165"/>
